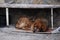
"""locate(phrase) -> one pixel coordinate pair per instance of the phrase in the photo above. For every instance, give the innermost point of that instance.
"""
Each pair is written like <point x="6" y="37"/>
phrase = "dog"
<point x="23" y="23"/>
<point x="39" y="26"/>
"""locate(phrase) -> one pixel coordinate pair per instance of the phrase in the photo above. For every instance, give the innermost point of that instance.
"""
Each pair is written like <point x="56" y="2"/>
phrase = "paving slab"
<point x="12" y="34"/>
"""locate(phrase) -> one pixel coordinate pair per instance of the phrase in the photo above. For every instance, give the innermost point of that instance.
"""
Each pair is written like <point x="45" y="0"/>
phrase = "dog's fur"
<point x="39" y="26"/>
<point x="23" y="23"/>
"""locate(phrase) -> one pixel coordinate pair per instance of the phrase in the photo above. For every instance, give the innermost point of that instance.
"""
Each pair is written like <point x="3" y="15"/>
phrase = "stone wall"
<point x="33" y="1"/>
<point x="1" y="1"/>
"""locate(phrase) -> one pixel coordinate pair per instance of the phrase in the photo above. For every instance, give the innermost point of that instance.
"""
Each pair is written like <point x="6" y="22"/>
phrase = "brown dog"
<point x="23" y="23"/>
<point x="39" y="26"/>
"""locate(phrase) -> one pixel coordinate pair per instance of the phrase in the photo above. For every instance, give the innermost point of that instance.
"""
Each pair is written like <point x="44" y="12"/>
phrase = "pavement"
<point x="12" y="33"/>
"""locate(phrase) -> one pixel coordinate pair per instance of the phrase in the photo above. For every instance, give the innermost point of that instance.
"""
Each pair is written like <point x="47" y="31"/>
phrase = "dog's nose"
<point x="35" y="29"/>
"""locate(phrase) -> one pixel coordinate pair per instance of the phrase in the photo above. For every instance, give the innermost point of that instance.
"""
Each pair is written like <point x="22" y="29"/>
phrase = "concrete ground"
<point x="13" y="34"/>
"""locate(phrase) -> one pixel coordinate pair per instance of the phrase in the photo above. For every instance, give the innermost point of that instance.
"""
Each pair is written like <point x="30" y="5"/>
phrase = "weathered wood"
<point x="6" y="5"/>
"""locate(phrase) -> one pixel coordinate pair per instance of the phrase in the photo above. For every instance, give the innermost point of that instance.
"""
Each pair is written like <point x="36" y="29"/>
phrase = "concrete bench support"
<point x="7" y="17"/>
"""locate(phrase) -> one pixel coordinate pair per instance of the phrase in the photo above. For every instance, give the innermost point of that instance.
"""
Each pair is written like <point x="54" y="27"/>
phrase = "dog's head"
<point x="39" y="26"/>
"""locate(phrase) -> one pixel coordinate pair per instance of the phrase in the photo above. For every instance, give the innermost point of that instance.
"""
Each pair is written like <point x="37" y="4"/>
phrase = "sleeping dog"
<point x="39" y="25"/>
<point x="23" y="23"/>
